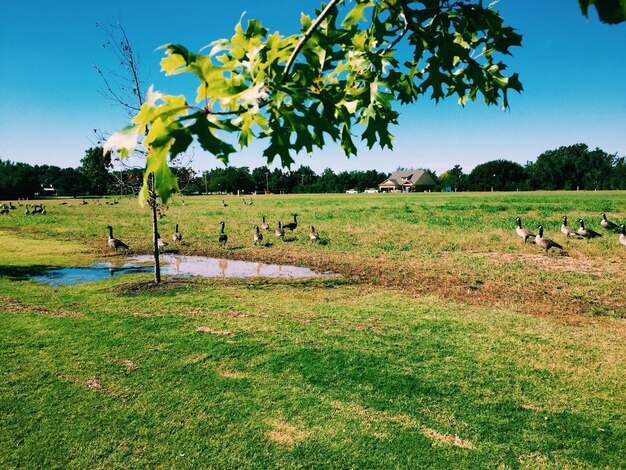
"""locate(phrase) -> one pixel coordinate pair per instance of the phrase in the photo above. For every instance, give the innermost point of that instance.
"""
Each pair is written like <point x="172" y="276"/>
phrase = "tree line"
<point x="570" y="168"/>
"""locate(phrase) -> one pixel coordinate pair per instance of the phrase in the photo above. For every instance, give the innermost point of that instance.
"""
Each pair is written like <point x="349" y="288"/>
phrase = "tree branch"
<point x="308" y="34"/>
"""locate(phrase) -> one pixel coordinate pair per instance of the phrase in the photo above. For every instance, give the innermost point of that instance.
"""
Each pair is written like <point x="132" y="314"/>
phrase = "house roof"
<point x="416" y="177"/>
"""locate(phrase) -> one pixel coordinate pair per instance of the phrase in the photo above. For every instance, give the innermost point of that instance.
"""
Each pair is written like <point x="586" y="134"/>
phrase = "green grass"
<point x="446" y="343"/>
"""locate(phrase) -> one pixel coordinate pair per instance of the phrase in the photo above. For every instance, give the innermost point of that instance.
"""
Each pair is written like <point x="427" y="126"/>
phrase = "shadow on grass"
<point x="24" y="273"/>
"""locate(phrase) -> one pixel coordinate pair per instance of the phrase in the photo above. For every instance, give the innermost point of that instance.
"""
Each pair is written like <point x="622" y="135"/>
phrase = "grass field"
<point x="446" y="342"/>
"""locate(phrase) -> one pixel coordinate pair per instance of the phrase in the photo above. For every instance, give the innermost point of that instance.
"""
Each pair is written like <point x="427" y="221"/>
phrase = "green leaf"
<point x="609" y="11"/>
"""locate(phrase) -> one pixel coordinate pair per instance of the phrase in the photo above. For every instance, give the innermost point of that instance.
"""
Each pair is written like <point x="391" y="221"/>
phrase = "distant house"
<point x="407" y="181"/>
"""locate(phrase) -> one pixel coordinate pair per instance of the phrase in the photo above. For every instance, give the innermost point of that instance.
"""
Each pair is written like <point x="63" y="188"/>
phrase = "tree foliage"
<point x="575" y="167"/>
<point x="499" y="175"/>
<point x="95" y="166"/>
<point x="609" y="11"/>
<point x="336" y="80"/>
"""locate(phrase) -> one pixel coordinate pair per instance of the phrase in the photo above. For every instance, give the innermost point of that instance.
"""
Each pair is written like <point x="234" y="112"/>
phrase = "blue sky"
<point x="573" y="70"/>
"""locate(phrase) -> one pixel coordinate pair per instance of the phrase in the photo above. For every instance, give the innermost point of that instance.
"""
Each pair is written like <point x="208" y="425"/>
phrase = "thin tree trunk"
<point x="155" y="237"/>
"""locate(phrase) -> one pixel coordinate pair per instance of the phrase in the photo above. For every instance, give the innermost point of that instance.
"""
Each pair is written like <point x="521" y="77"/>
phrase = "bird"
<point x="292" y="226"/>
<point x="249" y="203"/>
<point x="265" y="225"/>
<point x="568" y="231"/>
<point x="522" y="232"/>
<point x="587" y="232"/>
<point x="161" y="242"/>
<point x="258" y="236"/>
<point x="83" y="202"/>
<point x="607" y="224"/>
<point x="177" y="236"/>
<point x="244" y="201"/>
<point x="114" y="242"/>
<point x="280" y="232"/>
<point x="223" y="238"/>
<point x="545" y="243"/>
<point x="313" y="235"/>
<point x="622" y="236"/>
<point x="224" y="204"/>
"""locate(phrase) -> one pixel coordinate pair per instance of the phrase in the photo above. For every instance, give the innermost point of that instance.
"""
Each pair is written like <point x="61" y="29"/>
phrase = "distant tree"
<point x="95" y="167"/>
<point x="572" y="167"/>
<point x="499" y="175"/>
<point x="18" y="180"/>
<point x="454" y="178"/>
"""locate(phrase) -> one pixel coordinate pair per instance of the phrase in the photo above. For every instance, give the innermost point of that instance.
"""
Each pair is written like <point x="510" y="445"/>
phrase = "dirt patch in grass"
<point x="129" y="366"/>
<point x="143" y="287"/>
<point x="93" y="384"/>
<point x="229" y="374"/>
<point x="559" y="263"/>
<point x="369" y="415"/>
<point x="283" y="433"/>
<point x="206" y="329"/>
<point x="11" y="305"/>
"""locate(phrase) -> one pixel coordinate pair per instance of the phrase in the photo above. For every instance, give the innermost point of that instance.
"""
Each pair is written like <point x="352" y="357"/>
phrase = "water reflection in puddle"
<point x="175" y="266"/>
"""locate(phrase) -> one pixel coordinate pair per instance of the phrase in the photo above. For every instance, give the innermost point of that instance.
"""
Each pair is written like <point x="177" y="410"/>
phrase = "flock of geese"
<point x="569" y="232"/>
<point x="222" y="238"/>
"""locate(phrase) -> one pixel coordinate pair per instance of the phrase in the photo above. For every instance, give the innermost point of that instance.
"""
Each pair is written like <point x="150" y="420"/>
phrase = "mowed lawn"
<point x="445" y="342"/>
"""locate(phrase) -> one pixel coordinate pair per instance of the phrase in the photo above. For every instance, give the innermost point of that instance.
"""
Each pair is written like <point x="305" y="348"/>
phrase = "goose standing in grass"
<point x="114" y="242"/>
<point x="523" y="232"/>
<point x="258" y="236"/>
<point x="607" y="224"/>
<point x="224" y="204"/>
<point x="294" y="225"/>
<point x="177" y="236"/>
<point x="223" y="238"/>
<point x="587" y="232"/>
<point x="265" y="225"/>
<point x="161" y="242"/>
<point x="622" y="236"/>
<point x="280" y="232"/>
<point x="313" y="235"/>
<point x="568" y="231"/>
<point x="545" y="243"/>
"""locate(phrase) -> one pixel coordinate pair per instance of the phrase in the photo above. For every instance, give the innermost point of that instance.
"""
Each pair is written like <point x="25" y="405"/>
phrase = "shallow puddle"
<point x="174" y="266"/>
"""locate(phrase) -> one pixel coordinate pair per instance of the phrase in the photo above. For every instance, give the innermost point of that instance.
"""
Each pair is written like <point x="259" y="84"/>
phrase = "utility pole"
<point x="267" y="181"/>
<point x="206" y="191"/>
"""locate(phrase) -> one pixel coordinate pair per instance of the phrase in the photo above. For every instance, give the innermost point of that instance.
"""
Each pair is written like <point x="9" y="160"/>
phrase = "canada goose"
<point x="265" y="225"/>
<point x="161" y="242"/>
<point x="258" y="236"/>
<point x="224" y="204"/>
<point x="280" y="232"/>
<point x="545" y="243"/>
<point x="250" y="203"/>
<point x="244" y="201"/>
<point x="622" y="236"/>
<point x="27" y="211"/>
<point x="223" y="238"/>
<point x="11" y="206"/>
<point x="177" y="236"/>
<point x="114" y="242"/>
<point x="608" y="224"/>
<point x="522" y="232"/>
<point x="568" y="231"/>
<point x="313" y="235"/>
<point x="292" y="226"/>
<point x="587" y="232"/>
<point x="83" y="202"/>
